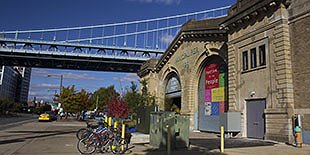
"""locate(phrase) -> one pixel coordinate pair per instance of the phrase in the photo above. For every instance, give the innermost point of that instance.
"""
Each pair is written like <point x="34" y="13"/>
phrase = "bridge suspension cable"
<point x="154" y="33"/>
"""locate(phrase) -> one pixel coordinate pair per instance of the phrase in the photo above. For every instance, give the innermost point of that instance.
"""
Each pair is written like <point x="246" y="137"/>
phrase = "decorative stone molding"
<point x="241" y="14"/>
<point x="193" y="31"/>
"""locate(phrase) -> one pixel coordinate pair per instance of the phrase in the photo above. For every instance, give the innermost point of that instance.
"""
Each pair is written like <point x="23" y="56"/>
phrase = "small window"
<point x="245" y="60"/>
<point x="253" y="58"/>
<point x="262" y="55"/>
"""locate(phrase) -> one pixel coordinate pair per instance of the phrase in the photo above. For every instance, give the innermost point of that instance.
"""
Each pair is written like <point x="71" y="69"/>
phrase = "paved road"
<point x="36" y="138"/>
<point x="16" y="119"/>
<point x="58" y="138"/>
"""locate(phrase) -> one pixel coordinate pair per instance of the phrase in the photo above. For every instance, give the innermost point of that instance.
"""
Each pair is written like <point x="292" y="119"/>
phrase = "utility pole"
<point x="61" y="78"/>
<point x="97" y="100"/>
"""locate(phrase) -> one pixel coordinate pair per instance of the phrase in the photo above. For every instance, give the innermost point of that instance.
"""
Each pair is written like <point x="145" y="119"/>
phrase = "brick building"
<point x="252" y="62"/>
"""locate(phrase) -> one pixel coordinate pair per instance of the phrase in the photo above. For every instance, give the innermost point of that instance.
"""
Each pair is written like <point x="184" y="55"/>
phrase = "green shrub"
<point x="7" y="105"/>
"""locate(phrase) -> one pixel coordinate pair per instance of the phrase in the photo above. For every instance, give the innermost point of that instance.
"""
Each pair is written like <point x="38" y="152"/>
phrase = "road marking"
<point x="69" y="145"/>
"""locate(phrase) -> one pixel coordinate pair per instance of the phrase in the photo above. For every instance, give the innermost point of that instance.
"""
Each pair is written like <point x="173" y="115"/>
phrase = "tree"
<point x="84" y="101"/>
<point x="147" y="98"/>
<point x="133" y="98"/>
<point x="7" y="105"/>
<point x="73" y="101"/>
<point x="136" y="99"/>
<point x="104" y="95"/>
<point x="43" y="109"/>
<point x="118" y="108"/>
<point x="68" y="99"/>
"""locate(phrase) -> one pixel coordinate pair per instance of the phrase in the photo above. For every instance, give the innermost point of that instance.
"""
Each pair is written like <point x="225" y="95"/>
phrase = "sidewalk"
<point x="208" y="144"/>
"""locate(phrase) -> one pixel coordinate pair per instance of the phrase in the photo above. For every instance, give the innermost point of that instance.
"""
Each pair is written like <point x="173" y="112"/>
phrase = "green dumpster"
<point x="181" y="131"/>
<point x="179" y="125"/>
<point x="158" y="128"/>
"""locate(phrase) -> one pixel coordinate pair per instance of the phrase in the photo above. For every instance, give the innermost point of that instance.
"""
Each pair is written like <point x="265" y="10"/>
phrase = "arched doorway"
<point x="173" y="93"/>
<point x="212" y="93"/>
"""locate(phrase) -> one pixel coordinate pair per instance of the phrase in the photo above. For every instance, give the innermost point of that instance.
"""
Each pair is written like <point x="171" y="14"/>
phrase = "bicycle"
<point x="105" y="141"/>
<point x="84" y="132"/>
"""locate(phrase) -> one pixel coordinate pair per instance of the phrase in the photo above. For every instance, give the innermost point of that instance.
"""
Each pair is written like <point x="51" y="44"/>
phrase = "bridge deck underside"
<point x="69" y="62"/>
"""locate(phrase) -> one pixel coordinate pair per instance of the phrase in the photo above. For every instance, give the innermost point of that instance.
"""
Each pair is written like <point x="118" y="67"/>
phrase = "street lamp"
<point x="61" y="78"/>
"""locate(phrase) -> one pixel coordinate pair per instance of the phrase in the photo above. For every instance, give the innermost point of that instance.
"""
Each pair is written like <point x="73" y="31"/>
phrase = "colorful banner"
<point x="214" y="91"/>
<point x="208" y="95"/>
<point x="222" y="80"/>
<point x="212" y="77"/>
<point x="208" y="108"/>
<point x="215" y="109"/>
<point x="222" y="107"/>
<point x="218" y="94"/>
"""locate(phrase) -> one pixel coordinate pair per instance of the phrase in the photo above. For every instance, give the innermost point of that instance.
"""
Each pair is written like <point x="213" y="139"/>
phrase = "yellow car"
<point x="45" y="117"/>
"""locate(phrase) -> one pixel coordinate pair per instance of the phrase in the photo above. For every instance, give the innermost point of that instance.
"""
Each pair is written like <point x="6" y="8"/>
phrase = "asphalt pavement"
<point x="12" y="120"/>
<point x="58" y="138"/>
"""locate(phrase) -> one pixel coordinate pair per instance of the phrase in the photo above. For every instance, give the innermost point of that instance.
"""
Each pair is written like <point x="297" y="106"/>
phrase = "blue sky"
<point x="43" y="14"/>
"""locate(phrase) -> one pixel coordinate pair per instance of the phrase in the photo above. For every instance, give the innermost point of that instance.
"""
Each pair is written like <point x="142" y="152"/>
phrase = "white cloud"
<point x="128" y="77"/>
<point x="77" y="76"/>
<point x="40" y="72"/>
<point x="166" y="38"/>
<point x="66" y="75"/>
<point x="32" y="93"/>
<point x="41" y="95"/>
<point x="166" y="2"/>
<point x="45" y="86"/>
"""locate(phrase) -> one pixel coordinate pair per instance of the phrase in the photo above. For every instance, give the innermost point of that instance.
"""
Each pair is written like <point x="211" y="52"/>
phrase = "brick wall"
<point x="300" y="45"/>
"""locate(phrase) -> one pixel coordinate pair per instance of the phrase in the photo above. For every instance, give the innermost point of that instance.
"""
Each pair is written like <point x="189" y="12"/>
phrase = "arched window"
<point x="173" y="93"/>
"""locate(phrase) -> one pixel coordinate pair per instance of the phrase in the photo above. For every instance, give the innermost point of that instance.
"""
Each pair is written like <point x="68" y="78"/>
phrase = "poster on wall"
<point x="212" y="77"/>
<point x="208" y="95"/>
<point x="215" y="109"/>
<point x="222" y="107"/>
<point x="214" y="91"/>
<point x="218" y="94"/>
<point x="207" y="108"/>
<point x="222" y="80"/>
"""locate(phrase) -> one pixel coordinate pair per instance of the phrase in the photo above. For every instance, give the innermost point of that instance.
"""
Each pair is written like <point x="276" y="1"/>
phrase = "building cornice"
<point x="244" y="10"/>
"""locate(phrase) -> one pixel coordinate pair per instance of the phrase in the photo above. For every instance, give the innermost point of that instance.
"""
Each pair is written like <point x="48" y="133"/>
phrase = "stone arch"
<point x="172" y="89"/>
<point x="198" y="68"/>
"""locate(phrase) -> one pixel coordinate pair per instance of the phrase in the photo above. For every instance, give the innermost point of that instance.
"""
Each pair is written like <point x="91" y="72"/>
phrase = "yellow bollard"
<point x="123" y="136"/>
<point x="115" y="124"/>
<point x="123" y="130"/>
<point x="110" y="121"/>
<point x="222" y="138"/>
<point x="106" y="119"/>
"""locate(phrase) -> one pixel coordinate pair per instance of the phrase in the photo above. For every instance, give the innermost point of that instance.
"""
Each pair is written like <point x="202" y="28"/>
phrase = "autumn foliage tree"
<point x="118" y="108"/>
<point x="73" y="101"/>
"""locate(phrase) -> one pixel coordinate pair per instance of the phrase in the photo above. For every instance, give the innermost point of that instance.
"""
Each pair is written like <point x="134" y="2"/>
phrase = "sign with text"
<point x="218" y="94"/>
<point x="214" y="90"/>
<point x="212" y="77"/>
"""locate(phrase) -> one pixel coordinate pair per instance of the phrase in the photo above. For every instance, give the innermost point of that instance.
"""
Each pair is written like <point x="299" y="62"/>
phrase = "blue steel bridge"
<point x="118" y="47"/>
